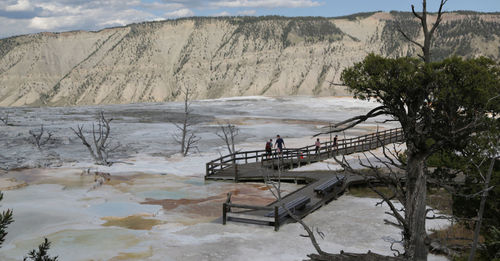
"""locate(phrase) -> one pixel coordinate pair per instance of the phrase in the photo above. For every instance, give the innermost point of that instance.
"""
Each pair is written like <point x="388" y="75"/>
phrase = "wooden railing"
<point x="274" y="220"/>
<point x="228" y="206"/>
<point x="232" y="161"/>
<point x="304" y="155"/>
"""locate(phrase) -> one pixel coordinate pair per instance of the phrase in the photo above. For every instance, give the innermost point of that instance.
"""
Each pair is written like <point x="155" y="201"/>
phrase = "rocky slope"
<point x="218" y="57"/>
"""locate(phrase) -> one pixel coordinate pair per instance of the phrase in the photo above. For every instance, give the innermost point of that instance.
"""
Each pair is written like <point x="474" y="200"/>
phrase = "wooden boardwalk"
<point x="257" y="166"/>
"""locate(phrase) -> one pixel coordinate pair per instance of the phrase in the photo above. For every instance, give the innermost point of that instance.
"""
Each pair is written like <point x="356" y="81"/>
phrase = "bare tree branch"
<point x="415" y="13"/>
<point x="37" y="139"/>
<point x="427" y="33"/>
<point x="380" y="110"/>
<point x="187" y="139"/>
<point x="439" y="17"/>
<point x="408" y="37"/>
<point x="274" y="186"/>
<point x="336" y="84"/>
<point x="482" y="204"/>
<point x="386" y="199"/>
<point x="227" y="133"/>
<point x="100" y="137"/>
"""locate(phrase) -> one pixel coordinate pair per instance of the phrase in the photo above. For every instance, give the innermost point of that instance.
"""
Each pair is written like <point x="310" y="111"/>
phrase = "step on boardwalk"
<point x="321" y="186"/>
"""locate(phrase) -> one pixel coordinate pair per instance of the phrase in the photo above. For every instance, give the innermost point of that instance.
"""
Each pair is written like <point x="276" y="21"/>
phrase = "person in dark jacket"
<point x="280" y="143"/>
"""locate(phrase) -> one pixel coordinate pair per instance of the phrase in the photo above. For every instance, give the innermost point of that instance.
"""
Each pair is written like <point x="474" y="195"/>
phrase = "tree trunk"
<point x="481" y="210"/>
<point x="184" y="134"/>
<point x="415" y="244"/>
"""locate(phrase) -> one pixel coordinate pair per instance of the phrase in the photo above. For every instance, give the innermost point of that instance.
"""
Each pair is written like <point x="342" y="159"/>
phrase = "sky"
<point x="33" y="16"/>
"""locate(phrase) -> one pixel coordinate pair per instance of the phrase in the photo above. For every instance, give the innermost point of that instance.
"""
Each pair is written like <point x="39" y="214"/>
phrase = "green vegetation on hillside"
<point x="393" y="39"/>
<point x="453" y="37"/>
<point x="6" y="45"/>
<point x="310" y="30"/>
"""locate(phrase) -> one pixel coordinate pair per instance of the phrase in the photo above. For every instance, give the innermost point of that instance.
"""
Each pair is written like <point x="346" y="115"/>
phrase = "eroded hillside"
<point x="219" y="57"/>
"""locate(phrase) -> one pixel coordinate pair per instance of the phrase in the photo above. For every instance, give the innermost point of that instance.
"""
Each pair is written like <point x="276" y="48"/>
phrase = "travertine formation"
<point x="219" y="57"/>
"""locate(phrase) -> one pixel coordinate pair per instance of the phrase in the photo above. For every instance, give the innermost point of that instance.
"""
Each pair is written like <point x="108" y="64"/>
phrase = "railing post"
<point x="257" y="157"/>
<point x="246" y="158"/>
<point x="236" y="173"/>
<point x="276" y="219"/>
<point x="224" y="215"/>
<point x="206" y="170"/>
<point x="308" y="157"/>
<point x="235" y="169"/>
<point x="272" y="159"/>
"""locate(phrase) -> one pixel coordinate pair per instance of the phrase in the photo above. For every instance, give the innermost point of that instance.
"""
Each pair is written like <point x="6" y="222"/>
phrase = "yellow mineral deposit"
<point x="136" y="222"/>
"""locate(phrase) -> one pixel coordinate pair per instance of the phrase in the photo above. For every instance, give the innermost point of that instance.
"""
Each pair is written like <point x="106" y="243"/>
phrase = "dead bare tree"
<point x="493" y="156"/>
<point x="482" y="204"/>
<point x="38" y="139"/>
<point x="228" y="132"/>
<point x="187" y="138"/>
<point x="428" y="33"/>
<point x="101" y="145"/>
<point x="392" y="178"/>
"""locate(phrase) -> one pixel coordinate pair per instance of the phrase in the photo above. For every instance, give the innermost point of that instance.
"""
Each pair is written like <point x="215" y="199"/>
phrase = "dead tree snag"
<point x="38" y="139"/>
<point x="100" y="146"/>
<point x="187" y="138"/>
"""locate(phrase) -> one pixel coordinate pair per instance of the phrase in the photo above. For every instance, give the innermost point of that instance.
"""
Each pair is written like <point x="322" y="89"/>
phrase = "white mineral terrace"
<point x="157" y="205"/>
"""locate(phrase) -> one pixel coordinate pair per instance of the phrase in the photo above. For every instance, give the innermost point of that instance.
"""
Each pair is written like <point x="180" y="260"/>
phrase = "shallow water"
<point x="69" y="212"/>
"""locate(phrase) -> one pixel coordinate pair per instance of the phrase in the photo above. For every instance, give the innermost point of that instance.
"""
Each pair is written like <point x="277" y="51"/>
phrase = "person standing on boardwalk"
<point x="269" y="148"/>
<point x="280" y="143"/>
<point x="335" y="142"/>
<point x="317" y="146"/>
